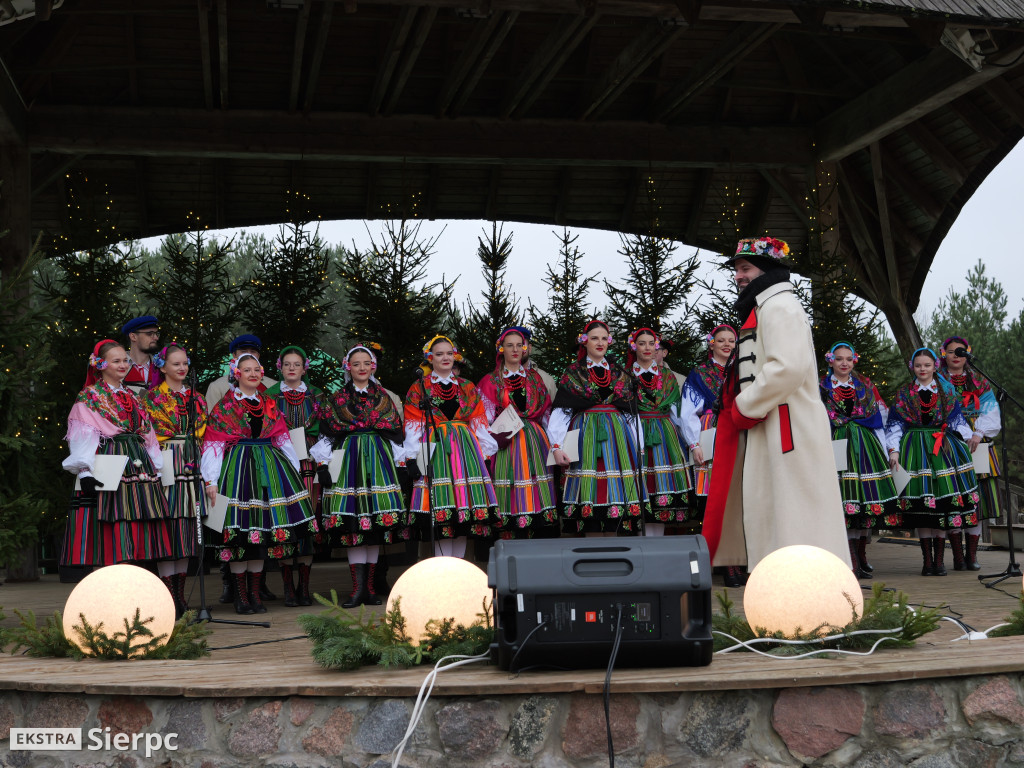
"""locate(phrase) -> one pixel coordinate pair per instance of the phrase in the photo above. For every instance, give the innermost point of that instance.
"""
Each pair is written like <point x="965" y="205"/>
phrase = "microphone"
<point x="962" y="352"/>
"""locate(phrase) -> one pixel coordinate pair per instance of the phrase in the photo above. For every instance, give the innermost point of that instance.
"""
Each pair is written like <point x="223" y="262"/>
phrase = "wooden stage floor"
<point x="287" y="668"/>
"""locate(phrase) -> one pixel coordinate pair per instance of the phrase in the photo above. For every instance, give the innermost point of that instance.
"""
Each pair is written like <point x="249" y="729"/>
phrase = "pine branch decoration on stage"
<point x="1013" y="624"/>
<point x="345" y="640"/>
<point x="35" y="640"/>
<point x="884" y="610"/>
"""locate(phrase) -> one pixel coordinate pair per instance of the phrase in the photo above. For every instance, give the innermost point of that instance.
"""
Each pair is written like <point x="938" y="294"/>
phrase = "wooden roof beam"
<point x="301" y="23"/>
<point x="471" y="64"/>
<point x="861" y="190"/>
<point x="759" y="210"/>
<point x="737" y="45"/>
<point x="789" y="196"/>
<point x="319" y="47"/>
<point x="392" y="55"/>
<point x="277" y="134"/>
<point x="911" y="188"/>
<point x="632" y="62"/>
<point x="424" y="21"/>
<point x="978" y="122"/>
<point x="882" y="203"/>
<point x="222" y="50"/>
<point x="1007" y="97"/>
<point x="13" y="110"/>
<point x="204" y="51"/>
<point x="949" y="163"/>
<point x="42" y="181"/>
<point x="914" y="91"/>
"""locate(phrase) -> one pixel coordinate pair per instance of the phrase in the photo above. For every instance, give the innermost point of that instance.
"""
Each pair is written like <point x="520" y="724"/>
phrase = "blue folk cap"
<point x="138" y="323"/>
<point x="245" y="340"/>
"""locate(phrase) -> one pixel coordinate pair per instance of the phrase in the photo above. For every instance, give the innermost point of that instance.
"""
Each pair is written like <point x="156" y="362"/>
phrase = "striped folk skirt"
<point x="131" y="523"/>
<point x="524" y="485"/>
<point x="600" y="490"/>
<point x="268" y="511"/>
<point x="988" y="486"/>
<point x="867" y="488"/>
<point x="461" y="496"/>
<point x="182" y="500"/>
<point x="365" y="506"/>
<point x="702" y="472"/>
<point x="665" y="471"/>
<point x="943" y="489"/>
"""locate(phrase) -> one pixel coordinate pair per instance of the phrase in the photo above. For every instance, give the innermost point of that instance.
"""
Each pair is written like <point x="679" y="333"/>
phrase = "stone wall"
<point x="973" y="722"/>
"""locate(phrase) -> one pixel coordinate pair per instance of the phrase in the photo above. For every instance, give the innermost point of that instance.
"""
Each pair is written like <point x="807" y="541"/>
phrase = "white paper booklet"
<point x="108" y="470"/>
<point x="507" y="421"/>
<point x="839" y="449"/>
<point x="298" y="436"/>
<point x="570" y="447"/>
<point x="707" y="443"/>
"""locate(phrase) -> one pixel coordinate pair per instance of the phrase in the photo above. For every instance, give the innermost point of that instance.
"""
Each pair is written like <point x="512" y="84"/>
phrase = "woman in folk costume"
<point x="981" y="410"/>
<point x="926" y="433"/>
<point x="601" y="494"/>
<point x="177" y="413"/>
<point x="523" y="482"/>
<point x="248" y="456"/>
<point x="129" y="523"/>
<point x="449" y="413"/>
<point x="664" y="460"/>
<point x="700" y="392"/>
<point x="857" y="413"/>
<point x="364" y="508"/>
<point x="298" y="401"/>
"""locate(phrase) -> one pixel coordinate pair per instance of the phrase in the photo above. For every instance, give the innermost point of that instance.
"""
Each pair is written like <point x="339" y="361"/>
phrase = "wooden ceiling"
<point x="696" y="120"/>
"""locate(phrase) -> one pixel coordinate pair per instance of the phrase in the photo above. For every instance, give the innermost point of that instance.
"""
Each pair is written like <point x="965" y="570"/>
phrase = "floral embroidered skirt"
<point x="524" y="485"/>
<point x="600" y="491"/>
<point x="461" y="496"/>
<point x="365" y="506"/>
<point x="943" y="489"/>
<point x="269" y="512"/>
<point x="665" y="470"/>
<point x="867" y="488"/>
<point x="130" y="523"/>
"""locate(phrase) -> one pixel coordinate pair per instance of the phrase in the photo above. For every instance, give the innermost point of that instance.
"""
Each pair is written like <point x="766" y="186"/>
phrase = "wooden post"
<point x="15" y="208"/>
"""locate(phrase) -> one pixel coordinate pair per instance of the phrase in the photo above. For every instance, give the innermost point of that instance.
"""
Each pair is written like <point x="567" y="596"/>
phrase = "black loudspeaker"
<point x="557" y="602"/>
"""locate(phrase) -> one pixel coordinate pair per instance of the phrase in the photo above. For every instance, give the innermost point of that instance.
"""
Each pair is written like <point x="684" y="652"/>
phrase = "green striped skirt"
<point x="867" y="488"/>
<point x="524" y="485"/>
<point x="988" y="486"/>
<point x="943" y="489"/>
<point x="665" y="471"/>
<point x="365" y="506"/>
<point x="461" y="496"/>
<point x="268" y="507"/>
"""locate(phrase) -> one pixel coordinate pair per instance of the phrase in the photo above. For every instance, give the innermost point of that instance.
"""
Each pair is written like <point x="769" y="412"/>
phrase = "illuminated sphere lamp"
<point x="111" y="594"/>
<point x="800" y="588"/>
<point x="440" y="588"/>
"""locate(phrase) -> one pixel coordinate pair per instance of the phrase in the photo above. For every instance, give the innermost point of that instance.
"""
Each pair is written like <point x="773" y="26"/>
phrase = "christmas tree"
<point x="195" y="299"/>
<point x="391" y="300"/>
<point x="556" y="328"/>
<point x="478" y="326"/>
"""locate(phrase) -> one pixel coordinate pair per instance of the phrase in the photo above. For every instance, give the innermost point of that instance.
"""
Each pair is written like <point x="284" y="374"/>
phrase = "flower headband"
<point x="523" y="333"/>
<point x="160" y="358"/>
<point x="710" y="336"/>
<point x="830" y="356"/>
<point x="95" y="360"/>
<point x="360" y="348"/>
<point x="233" y="365"/>
<point x="927" y="350"/>
<point x="961" y="339"/>
<point x="428" y="355"/>
<point x="582" y="338"/>
<point x="770" y="247"/>
<point x="635" y="334"/>
<point x="297" y="350"/>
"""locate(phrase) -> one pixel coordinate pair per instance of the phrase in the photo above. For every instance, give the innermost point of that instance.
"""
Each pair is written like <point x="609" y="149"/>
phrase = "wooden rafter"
<point x="915" y="90"/>
<point x="424" y="21"/>
<point x="204" y="51"/>
<point x="980" y="125"/>
<point x="322" y="33"/>
<point x="885" y="228"/>
<point x="133" y="58"/>
<point x="737" y="45"/>
<point x="301" y="23"/>
<point x="862" y="190"/>
<point x="912" y="189"/>
<point x="484" y="42"/>
<point x="631" y="62"/>
<point x="1007" y="98"/>
<point x="60" y="42"/>
<point x="509" y="20"/>
<point x="789" y="197"/>
<point x="13" y="111"/>
<point x="937" y="151"/>
<point x="345" y="136"/>
<point x="222" y="50"/>
<point x="392" y="55"/>
<point x="41" y="181"/>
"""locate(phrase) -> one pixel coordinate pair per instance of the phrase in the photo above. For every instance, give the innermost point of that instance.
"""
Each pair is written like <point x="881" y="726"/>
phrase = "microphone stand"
<point x="428" y="476"/>
<point x="192" y="446"/>
<point x="1013" y="567"/>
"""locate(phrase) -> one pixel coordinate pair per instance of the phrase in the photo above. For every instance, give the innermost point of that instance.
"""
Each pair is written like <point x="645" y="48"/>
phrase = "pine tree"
<point x="556" y="329"/>
<point x="188" y="283"/>
<point x="391" y="301"/>
<point x="654" y="290"/>
<point x="285" y="300"/>
<point x="477" y="327"/>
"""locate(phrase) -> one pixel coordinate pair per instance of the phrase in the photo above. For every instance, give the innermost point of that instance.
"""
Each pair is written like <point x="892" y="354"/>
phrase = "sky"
<point x="987" y="223"/>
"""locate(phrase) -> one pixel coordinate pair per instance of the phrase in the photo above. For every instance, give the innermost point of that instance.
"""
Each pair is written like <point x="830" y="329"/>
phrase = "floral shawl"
<point x="538" y="402"/>
<point x="706" y="380"/>
<point x="907" y="405"/>
<point x="471" y="407"/>
<point x="974" y="392"/>
<point x="865" y="405"/>
<point x="346" y="411"/>
<point x="663" y="396"/>
<point x="96" y="410"/>
<point x="575" y="391"/>
<point x="162" y="405"/>
<point x="228" y="423"/>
